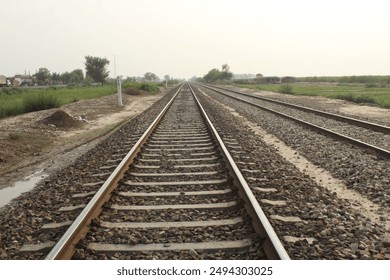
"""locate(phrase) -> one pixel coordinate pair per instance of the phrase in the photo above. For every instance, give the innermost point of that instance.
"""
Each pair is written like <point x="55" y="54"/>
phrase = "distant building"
<point x="22" y="80"/>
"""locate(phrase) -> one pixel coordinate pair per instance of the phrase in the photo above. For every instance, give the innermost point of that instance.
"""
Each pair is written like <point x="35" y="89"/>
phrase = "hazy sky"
<point x="184" y="38"/>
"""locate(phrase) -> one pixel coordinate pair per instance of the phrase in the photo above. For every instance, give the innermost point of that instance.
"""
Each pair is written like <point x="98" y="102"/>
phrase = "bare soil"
<point x="51" y="139"/>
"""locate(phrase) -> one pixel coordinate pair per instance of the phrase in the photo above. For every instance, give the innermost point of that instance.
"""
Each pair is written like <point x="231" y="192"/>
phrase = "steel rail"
<point x="361" y="123"/>
<point x="272" y="245"/>
<point x="335" y="135"/>
<point x="64" y="248"/>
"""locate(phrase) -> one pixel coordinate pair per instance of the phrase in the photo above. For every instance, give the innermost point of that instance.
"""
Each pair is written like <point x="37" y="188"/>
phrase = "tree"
<point x="56" y="78"/>
<point x="225" y="67"/>
<point x="212" y="76"/>
<point x="226" y="74"/>
<point x="77" y="76"/>
<point x="96" y="68"/>
<point x="65" y="77"/>
<point x="149" y="76"/>
<point x="74" y="77"/>
<point x="259" y="76"/>
<point x="43" y="76"/>
<point x="215" y="75"/>
<point x="130" y="79"/>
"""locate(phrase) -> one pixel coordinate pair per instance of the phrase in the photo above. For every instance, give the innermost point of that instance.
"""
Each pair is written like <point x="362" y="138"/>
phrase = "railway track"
<point x="177" y="194"/>
<point x="372" y="137"/>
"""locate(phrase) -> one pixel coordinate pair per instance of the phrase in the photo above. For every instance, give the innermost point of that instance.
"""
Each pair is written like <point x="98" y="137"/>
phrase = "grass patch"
<point x="18" y="101"/>
<point x="32" y="103"/>
<point x="147" y="87"/>
<point x="358" y="93"/>
<point x="356" y="98"/>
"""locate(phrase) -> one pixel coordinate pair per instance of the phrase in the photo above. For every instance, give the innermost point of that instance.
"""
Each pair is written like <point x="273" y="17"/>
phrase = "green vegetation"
<point x="359" y="93"/>
<point x="96" y="68"/>
<point x="286" y="88"/>
<point x="215" y="75"/>
<point x="151" y="77"/>
<point x="379" y="80"/>
<point x="15" y="101"/>
<point x="19" y="101"/>
<point x="148" y="87"/>
<point x="32" y="103"/>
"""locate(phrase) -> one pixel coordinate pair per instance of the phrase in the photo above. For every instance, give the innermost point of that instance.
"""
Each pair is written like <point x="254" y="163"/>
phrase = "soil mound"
<point x="61" y="119"/>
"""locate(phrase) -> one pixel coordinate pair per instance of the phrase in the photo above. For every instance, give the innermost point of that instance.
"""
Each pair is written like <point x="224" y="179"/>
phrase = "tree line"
<point x="95" y="72"/>
<point x="385" y="79"/>
<point x="215" y="74"/>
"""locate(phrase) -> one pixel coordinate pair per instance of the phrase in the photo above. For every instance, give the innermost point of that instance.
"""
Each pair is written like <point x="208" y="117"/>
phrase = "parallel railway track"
<point x="339" y="129"/>
<point x="176" y="194"/>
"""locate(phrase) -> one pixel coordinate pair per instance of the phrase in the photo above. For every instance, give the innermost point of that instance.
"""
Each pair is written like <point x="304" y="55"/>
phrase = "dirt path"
<point x="28" y="146"/>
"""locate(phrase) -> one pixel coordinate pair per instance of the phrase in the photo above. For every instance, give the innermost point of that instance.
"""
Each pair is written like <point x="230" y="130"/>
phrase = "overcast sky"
<point x="183" y="38"/>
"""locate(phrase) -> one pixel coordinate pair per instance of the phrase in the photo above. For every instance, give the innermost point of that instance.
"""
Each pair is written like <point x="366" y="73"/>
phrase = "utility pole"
<point x="118" y="84"/>
<point x="119" y="87"/>
<point x="166" y="77"/>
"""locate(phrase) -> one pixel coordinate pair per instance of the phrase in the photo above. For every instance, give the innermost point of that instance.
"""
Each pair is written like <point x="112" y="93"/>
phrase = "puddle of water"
<point x="9" y="193"/>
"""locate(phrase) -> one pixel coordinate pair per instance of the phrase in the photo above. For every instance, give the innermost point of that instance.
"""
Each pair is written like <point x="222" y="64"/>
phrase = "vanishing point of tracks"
<point x="176" y="193"/>
<point x="373" y="137"/>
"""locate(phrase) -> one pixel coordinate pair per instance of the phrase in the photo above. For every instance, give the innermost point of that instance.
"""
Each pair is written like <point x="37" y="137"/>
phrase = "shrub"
<point x="152" y="88"/>
<point x="32" y="103"/>
<point x="286" y="88"/>
<point x="147" y="87"/>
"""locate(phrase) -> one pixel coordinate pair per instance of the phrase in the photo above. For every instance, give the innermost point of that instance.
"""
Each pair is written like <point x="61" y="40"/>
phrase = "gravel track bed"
<point x="254" y="253"/>
<point x="188" y="199"/>
<point x="217" y="176"/>
<point x="179" y="255"/>
<point x="185" y="188"/>
<point x="170" y="167"/>
<point x="175" y="215"/>
<point x="182" y="111"/>
<point x="40" y="206"/>
<point x="378" y="139"/>
<point x="362" y="172"/>
<point x="339" y="231"/>
<point x="166" y="235"/>
<point x="171" y="235"/>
